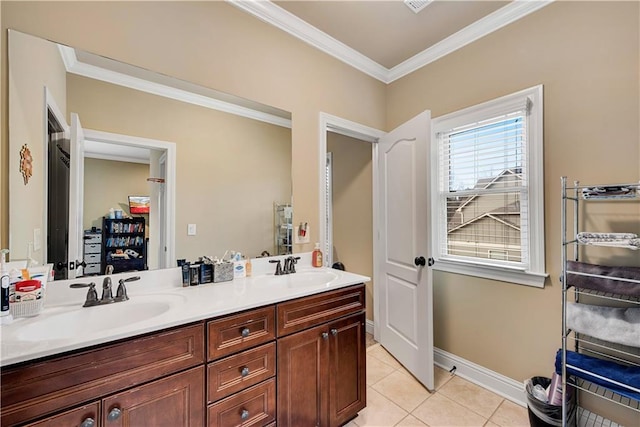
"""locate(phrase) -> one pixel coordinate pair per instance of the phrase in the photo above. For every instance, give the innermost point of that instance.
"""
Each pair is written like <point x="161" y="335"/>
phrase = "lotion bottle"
<point x="5" y="314"/>
<point x="316" y="256"/>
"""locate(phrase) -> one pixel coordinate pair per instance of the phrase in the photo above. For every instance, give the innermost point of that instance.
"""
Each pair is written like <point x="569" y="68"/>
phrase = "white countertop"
<point x="158" y="301"/>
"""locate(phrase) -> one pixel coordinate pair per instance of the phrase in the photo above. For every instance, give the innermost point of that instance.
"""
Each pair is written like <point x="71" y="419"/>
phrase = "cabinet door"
<point x="84" y="416"/>
<point x="302" y="378"/>
<point x="347" y="376"/>
<point x="177" y="400"/>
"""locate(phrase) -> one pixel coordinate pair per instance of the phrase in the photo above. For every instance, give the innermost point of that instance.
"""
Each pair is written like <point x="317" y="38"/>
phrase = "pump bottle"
<point x="316" y="256"/>
<point x="5" y="314"/>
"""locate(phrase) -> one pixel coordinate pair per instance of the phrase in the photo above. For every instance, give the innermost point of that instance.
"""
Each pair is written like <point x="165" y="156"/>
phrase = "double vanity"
<point x="255" y="351"/>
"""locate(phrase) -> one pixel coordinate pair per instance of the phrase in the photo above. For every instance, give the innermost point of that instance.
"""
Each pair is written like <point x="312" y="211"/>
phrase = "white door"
<point x="404" y="279"/>
<point x="76" y="197"/>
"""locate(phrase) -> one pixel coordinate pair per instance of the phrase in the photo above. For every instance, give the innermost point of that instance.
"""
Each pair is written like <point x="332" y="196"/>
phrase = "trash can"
<point x="543" y="414"/>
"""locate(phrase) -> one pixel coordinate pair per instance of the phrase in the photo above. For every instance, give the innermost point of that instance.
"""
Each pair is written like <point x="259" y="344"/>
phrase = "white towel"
<point x="613" y="324"/>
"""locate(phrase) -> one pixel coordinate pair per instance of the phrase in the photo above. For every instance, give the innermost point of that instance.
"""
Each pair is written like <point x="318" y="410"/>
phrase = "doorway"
<point x="347" y="192"/>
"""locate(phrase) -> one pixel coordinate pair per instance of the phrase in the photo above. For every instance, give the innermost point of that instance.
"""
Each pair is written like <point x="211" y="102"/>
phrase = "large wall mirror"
<point x="86" y="132"/>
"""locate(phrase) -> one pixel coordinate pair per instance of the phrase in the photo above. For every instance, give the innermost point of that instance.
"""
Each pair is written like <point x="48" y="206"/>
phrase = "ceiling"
<point x="388" y="32"/>
<point x="385" y="38"/>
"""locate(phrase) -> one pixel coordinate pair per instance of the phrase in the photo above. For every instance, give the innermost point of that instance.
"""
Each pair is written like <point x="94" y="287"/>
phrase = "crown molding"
<point x="74" y="66"/>
<point x="272" y="14"/>
<point x="500" y="18"/>
<point x="286" y="21"/>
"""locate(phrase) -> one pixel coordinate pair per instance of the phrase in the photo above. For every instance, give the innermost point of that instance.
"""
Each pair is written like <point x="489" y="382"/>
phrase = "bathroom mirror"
<point x="216" y="167"/>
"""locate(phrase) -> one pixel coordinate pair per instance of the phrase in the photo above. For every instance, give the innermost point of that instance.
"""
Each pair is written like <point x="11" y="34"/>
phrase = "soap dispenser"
<point x="5" y="314"/>
<point x="316" y="256"/>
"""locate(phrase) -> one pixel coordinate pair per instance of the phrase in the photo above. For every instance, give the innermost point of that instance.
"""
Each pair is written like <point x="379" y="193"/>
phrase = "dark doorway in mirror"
<point x="58" y="160"/>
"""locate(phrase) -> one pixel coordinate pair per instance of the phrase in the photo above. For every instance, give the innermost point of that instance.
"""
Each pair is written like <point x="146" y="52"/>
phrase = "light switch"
<point x="191" y="230"/>
<point x="37" y="239"/>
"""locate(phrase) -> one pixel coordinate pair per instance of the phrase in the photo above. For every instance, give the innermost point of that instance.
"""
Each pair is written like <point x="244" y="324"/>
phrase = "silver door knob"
<point x="88" y="422"/>
<point x="244" y="372"/>
<point x="325" y="335"/>
<point x="334" y="332"/>
<point x="244" y="415"/>
<point x="114" y="414"/>
<point x="245" y="332"/>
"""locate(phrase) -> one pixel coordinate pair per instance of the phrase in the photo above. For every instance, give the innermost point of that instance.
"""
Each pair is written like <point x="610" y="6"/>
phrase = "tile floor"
<point x="395" y="398"/>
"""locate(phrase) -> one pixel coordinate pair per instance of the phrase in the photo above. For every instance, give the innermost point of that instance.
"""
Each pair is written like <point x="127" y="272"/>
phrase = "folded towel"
<point x="609" y="191"/>
<point x="613" y="282"/>
<point x="618" y="325"/>
<point x="622" y="240"/>
<point x="624" y="380"/>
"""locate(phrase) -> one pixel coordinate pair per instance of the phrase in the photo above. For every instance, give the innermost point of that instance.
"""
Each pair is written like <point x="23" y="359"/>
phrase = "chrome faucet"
<point x="290" y="265"/>
<point x="278" y="266"/>
<point x="107" y="295"/>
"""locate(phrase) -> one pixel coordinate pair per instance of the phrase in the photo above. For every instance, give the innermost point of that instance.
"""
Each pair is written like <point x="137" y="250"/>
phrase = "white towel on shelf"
<point x="621" y="240"/>
<point x="613" y="324"/>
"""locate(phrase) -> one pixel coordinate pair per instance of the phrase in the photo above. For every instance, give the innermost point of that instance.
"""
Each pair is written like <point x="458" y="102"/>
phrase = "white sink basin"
<point x="301" y="279"/>
<point x="85" y="321"/>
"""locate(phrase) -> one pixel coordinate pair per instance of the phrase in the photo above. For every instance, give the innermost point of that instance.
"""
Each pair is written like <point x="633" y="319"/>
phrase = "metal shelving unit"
<point x="572" y="197"/>
<point x="283" y="228"/>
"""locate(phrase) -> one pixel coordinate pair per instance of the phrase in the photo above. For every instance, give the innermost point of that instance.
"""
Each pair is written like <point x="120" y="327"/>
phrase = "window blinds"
<point x="483" y="186"/>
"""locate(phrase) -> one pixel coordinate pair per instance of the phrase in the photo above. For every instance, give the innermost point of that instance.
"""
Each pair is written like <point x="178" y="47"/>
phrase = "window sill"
<point x="502" y="274"/>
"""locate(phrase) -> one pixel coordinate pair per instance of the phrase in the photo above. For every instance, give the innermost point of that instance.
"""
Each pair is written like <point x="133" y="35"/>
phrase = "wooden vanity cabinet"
<point x="84" y="416"/>
<point x="241" y="386"/>
<point x="321" y="369"/>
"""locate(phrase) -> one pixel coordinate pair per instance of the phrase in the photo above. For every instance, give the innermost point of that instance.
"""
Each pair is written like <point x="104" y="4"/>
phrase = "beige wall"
<point x="586" y="54"/>
<point x="353" y="207"/>
<point x="229" y="169"/>
<point x="41" y="66"/>
<point x="200" y="42"/>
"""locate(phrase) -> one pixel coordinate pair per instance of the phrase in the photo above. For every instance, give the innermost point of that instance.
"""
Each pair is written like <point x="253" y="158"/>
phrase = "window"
<point x="488" y="190"/>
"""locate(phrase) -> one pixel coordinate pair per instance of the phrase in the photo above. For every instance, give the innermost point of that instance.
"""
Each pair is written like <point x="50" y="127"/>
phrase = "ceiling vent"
<point x="417" y="5"/>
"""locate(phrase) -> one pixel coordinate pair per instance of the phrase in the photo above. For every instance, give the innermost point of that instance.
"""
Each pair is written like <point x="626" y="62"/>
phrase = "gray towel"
<point x="609" y="284"/>
<point x="613" y="324"/>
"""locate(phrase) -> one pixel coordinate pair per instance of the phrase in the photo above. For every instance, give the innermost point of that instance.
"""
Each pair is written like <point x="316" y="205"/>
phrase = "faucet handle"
<point x="293" y="262"/>
<point x="278" y="266"/>
<point x="121" y="293"/>
<point x="92" y="294"/>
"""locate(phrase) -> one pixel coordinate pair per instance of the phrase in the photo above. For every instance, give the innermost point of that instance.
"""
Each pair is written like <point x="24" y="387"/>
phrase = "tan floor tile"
<point x="474" y="397"/>
<point x="441" y="377"/>
<point x="350" y="424"/>
<point x="403" y="390"/>
<point x="376" y="370"/>
<point x="380" y="353"/>
<point x="440" y="411"/>
<point x="410" y="421"/>
<point x="380" y="411"/>
<point x="510" y="414"/>
<point x="372" y="347"/>
<point x="490" y="424"/>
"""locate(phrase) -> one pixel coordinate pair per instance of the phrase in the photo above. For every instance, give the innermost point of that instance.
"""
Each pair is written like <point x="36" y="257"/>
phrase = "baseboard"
<point x="506" y="387"/>
<point x="369" y="326"/>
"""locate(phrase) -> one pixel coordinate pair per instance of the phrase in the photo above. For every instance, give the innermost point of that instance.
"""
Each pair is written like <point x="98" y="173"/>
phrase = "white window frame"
<point x="534" y="273"/>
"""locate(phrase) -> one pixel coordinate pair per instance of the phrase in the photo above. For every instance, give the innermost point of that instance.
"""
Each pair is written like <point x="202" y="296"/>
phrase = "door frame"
<point x="331" y="123"/>
<point x="169" y="149"/>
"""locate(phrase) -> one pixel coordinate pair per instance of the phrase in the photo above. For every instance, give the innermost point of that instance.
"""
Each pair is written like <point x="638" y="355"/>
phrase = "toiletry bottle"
<point x="247" y="267"/>
<point x="316" y="256"/>
<point x="5" y="314"/>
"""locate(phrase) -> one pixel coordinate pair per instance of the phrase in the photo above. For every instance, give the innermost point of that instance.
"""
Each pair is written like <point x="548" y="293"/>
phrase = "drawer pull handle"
<point x="245" y="332"/>
<point x="114" y="414"/>
<point x="244" y="371"/>
<point x="88" y="422"/>
<point x="334" y="332"/>
<point x="325" y="335"/>
<point x="244" y="415"/>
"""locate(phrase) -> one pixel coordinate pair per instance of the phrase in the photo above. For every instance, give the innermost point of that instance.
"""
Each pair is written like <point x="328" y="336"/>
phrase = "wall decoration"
<point x="26" y="163"/>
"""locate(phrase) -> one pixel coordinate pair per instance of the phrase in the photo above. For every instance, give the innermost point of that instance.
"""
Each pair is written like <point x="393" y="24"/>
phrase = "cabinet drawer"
<point x="303" y="313"/>
<point x="74" y="417"/>
<point x="92" y="258"/>
<point x="92" y="239"/>
<point x="241" y="331"/>
<point x="92" y="269"/>
<point x="37" y="389"/>
<point x="255" y="406"/>
<point x="232" y="374"/>
<point x="92" y="248"/>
